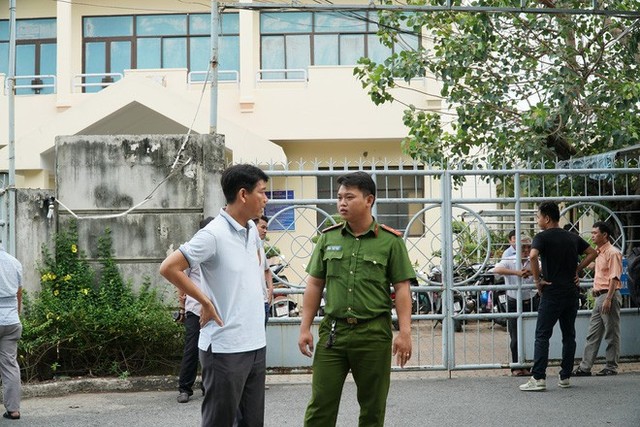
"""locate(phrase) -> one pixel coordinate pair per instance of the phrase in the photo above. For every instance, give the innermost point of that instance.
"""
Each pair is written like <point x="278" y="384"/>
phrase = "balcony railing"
<point x="88" y="80"/>
<point x="282" y="75"/>
<point x="224" y="76"/>
<point x="30" y="85"/>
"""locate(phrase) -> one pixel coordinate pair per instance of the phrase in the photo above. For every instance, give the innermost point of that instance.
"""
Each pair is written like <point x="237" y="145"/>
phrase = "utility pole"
<point x="11" y="82"/>
<point x="215" y="25"/>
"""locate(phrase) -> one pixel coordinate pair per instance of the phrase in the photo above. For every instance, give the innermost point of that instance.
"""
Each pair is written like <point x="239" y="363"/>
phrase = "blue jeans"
<point x="550" y="311"/>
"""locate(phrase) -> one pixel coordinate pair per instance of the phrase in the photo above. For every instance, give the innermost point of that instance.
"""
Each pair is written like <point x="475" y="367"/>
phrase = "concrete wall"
<point x="102" y="176"/>
<point x="33" y="230"/>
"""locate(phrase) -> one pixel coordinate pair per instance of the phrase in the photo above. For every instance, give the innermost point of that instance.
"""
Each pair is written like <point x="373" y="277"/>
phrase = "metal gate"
<point x="455" y="224"/>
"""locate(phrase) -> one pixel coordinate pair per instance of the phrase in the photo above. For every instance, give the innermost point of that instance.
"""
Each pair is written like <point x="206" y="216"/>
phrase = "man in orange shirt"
<point x="605" y="317"/>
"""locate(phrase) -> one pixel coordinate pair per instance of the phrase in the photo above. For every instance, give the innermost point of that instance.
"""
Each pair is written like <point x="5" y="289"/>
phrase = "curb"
<point x="64" y="387"/>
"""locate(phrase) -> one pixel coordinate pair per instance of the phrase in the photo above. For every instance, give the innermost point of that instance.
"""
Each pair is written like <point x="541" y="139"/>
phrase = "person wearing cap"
<point x="509" y="268"/>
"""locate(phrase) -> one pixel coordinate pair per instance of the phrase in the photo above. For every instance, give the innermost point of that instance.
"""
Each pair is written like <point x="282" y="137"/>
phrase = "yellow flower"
<point x="85" y="291"/>
<point x="48" y="276"/>
<point x="67" y="278"/>
<point x="74" y="248"/>
<point x="56" y="292"/>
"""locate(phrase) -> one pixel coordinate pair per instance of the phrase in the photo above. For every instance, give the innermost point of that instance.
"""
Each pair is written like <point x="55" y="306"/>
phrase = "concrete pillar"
<point x="64" y="29"/>
<point x="249" y="39"/>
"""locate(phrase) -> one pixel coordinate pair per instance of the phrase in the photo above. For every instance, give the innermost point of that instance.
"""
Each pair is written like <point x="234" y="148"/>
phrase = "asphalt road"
<point x="431" y="401"/>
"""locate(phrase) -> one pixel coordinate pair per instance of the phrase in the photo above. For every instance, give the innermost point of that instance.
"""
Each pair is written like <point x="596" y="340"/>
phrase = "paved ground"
<point x="415" y="399"/>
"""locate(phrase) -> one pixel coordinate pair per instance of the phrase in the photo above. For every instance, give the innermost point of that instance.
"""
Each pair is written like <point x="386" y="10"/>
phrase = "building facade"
<point x="286" y="92"/>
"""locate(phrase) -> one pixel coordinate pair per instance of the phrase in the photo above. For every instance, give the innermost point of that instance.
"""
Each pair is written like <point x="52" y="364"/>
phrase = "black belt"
<point x="353" y="320"/>
<point x="598" y="293"/>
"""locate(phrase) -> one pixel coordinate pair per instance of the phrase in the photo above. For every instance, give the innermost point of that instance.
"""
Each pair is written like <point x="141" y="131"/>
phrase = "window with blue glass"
<point x="115" y="43"/>
<point x="35" y="54"/>
<point x="295" y="40"/>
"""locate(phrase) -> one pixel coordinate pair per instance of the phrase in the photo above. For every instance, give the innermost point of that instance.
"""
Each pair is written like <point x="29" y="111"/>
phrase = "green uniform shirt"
<point x="359" y="270"/>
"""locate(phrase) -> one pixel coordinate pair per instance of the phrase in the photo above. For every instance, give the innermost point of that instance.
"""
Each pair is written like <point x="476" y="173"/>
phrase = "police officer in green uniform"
<point x="356" y="261"/>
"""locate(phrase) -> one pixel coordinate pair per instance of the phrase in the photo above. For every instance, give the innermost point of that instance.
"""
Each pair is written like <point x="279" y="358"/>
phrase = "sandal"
<point x="8" y="415"/>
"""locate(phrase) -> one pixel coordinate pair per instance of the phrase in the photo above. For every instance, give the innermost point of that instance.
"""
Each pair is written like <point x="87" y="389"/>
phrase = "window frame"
<point x="371" y="28"/>
<point x="134" y="37"/>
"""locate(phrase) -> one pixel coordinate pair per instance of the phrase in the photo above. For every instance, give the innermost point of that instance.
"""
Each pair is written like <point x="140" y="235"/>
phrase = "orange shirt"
<point x="608" y="266"/>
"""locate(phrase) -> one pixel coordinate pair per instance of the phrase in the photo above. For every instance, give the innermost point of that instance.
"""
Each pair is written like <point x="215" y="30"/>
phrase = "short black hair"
<point x="361" y="180"/>
<point x="205" y="221"/>
<point x="551" y="210"/>
<point x="511" y="234"/>
<point x="604" y="228"/>
<point x="236" y="177"/>
<point x="264" y="218"/>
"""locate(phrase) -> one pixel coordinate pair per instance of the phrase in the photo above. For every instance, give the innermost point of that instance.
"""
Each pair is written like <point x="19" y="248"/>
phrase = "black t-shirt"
<point x="559" y="252"/>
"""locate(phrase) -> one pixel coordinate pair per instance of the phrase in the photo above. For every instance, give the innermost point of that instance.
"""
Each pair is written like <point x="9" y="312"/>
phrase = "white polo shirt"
<point x="10" y="283"/>
<point x="510" y="264"/>
<point x="232" y="276"/>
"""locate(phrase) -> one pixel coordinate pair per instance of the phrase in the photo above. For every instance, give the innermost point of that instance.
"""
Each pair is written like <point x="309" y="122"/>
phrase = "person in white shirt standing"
<point x="508" y="267"/>
<point x="232" y="339"/>
<point x="10" y="332"/>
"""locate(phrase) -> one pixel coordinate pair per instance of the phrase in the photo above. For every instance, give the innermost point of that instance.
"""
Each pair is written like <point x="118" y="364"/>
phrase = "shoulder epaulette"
<point x="391" y="230"/>
<point x="333" y="227"/>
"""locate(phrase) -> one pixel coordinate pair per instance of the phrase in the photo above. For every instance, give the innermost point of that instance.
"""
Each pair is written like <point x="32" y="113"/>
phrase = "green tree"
<point x="516" y="86"/>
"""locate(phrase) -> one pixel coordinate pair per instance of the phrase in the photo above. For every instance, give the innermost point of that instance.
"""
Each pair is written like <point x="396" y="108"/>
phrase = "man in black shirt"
<point x="557" y="286"/>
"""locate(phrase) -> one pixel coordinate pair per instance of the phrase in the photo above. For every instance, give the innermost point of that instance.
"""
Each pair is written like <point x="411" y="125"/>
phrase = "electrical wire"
<point x="110" y="6"/>
<point x="175" y="167"/>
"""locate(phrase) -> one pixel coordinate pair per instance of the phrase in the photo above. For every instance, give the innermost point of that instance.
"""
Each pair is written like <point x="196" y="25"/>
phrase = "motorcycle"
<point x="431" y="301"/>
<point x="435" y="276"/>
<point x="282" y="305"/>
<point x="485" y="301"/>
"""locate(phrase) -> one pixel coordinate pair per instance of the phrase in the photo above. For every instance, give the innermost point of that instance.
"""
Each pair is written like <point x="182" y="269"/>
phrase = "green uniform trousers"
<point x="364" y="349"/>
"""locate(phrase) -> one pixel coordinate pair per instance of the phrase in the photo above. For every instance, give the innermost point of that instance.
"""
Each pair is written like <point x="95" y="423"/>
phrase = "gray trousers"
<point x="9" y="369"/>
<point x="607" y="326"/>
<point x="234" y="386"/>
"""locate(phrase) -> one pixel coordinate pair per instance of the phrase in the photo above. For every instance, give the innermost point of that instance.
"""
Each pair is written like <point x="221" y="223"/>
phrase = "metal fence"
<point x="455" y="224"/>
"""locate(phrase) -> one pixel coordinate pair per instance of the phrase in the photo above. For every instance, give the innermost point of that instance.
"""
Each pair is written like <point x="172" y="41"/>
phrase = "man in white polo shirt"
<point x="232" y="339"/>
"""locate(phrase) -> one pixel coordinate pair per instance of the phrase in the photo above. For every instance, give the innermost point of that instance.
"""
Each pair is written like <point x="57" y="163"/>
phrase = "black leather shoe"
<point x="580" y="373"/>
<point x="606" y="371"/>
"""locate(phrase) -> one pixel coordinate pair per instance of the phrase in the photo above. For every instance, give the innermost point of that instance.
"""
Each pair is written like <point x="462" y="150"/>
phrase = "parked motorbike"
<point x="435" y="276"/>
<point x="282" y="305"/>
<point x="485" y="301"/>
<point x="420" y="303"/>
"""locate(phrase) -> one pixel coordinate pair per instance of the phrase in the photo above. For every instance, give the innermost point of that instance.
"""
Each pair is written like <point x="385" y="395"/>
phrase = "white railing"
<point x="107" y="79"/>
<point x="36" y="82"/>
<point x="224" y="76"/>
<point x="286" y="72"/>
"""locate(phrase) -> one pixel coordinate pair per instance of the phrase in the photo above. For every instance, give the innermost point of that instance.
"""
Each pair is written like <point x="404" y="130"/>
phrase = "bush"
<point x="75" y="326"/>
